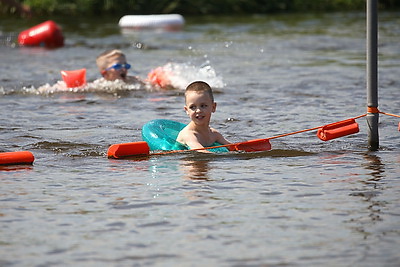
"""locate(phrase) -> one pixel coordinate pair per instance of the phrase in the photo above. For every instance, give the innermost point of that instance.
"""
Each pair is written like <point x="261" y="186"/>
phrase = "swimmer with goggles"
<point x="113" y="66"/>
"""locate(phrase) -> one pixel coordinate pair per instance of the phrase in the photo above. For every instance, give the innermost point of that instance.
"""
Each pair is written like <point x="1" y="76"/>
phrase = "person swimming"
<point x="112" y="65"/>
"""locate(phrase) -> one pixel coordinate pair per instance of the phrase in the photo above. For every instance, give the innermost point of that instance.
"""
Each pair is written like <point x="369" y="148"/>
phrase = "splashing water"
<point x="171" y="76"/>
<point x="100" y="85"/>
<point x="180" y="75"/>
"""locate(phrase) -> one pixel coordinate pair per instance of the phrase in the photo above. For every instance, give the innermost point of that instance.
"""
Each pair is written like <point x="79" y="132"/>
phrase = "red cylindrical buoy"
<point x="74" y="78"/>
<point x="128" y="149"/>
<point x="19" y="157"/>
<point x="252" y="145"/>
<point x="338" y="129"/>
<point x="46" y="34"/>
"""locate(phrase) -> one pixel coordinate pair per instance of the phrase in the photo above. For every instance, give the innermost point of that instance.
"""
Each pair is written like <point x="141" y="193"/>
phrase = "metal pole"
<point x="372" y="75"/>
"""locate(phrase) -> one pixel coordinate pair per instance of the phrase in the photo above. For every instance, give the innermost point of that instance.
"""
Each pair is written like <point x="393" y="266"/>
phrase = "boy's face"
<point x="112" y="73"/>
<point x="199" y="107"/>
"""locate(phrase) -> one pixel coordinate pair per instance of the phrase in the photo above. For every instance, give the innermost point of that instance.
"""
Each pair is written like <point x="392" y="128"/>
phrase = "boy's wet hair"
<point x="200" y="86"/>
<point x="102" y="61"/>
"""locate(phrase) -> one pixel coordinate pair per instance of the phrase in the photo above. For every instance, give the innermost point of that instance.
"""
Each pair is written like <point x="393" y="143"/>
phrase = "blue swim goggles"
<point x="119" y="66"/>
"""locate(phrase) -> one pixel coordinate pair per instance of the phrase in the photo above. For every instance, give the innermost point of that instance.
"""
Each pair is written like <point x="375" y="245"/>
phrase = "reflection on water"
<point x="195" y="169"/>
<point x="372" y="193"/>
<point x="13" y="168"/>
<point x="374" y="163"/>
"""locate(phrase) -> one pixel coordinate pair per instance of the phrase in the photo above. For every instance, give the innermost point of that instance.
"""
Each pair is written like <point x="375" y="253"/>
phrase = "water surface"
<point x="306" y="202"/>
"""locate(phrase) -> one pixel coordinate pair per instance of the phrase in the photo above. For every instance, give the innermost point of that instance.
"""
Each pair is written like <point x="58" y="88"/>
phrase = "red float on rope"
<point x="128" y="149"/>
<point x="47" y="33"/>
<point x="338" y="129"/>
<point x="19" y="157"/>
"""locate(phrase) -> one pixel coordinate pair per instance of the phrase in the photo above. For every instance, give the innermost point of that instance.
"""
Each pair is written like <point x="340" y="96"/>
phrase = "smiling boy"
<point x="199" y="105"/>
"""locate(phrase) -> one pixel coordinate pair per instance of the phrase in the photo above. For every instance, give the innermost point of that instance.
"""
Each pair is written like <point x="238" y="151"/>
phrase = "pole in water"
<point x="372" y="75"/>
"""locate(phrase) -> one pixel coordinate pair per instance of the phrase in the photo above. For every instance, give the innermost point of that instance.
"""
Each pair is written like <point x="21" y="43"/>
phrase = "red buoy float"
<point x="252" y="145"/>
<point x="19" y="157"/>
<point x="46" y="34"/>
<point x="128" y="149"/>
<point x="74" y="78"/>
<point x="338" y="129"/>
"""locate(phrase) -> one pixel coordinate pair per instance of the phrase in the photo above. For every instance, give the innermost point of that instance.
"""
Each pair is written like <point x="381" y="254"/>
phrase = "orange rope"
<point x="369" y="110"/>
<point x="185" y="150"/>
<point x="233" y="144"/>
<point x="372" y="110"/>
<point x="311" y="129"/>
<point x="389" y="114"/>
<point x="203" y="148"/>
<point x="301" y="131"/>
<point x="363" y="115"/>
<point x="376" y="110"/>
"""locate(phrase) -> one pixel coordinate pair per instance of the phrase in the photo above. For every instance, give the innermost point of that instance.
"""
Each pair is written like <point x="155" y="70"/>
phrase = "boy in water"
<point x="199" y="105"/>
<point x="112" y="65"/>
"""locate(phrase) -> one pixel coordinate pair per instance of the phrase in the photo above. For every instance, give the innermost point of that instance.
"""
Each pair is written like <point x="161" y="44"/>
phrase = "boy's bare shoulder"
<point x="182" y="136"/>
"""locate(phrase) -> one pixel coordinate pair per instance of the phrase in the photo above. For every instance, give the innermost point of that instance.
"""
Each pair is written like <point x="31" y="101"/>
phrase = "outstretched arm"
<point x="223" y="141"/>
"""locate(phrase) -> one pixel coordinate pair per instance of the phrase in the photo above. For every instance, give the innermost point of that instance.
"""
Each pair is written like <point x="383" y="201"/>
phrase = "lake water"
<point x="304" y="203"/>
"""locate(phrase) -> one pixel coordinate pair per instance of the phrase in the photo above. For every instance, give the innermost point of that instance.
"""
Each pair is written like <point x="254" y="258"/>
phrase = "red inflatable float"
<point x="338" y="129"/>
<point x="128" y="149"/>
<point x="19" y="157"/>
<point x="159" y="77"/>
<point x="74" y="78"/>
<point x="46" y="34"/>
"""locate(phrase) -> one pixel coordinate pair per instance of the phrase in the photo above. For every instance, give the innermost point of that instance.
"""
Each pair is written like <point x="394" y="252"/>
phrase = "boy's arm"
<point x="219" y="138"/>
<point x="190" y="140"/>
<point x="223" y="141"/>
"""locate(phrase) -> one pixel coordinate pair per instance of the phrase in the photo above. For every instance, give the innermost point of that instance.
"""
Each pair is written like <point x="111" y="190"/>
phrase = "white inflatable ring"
<point x="167" y="21"/>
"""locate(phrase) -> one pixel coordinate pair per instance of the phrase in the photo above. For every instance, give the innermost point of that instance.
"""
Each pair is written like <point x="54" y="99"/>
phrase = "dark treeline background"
<point x="184" y="7"/>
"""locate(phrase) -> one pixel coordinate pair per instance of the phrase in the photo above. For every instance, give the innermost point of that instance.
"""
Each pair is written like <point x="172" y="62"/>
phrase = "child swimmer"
<point x="113" y="66"/>
<point x="199" y="105"/>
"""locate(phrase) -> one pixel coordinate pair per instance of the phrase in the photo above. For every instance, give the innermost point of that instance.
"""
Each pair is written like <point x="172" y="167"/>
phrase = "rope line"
<point x="393" y="115"/>
<point x="369" y="110"/>
<point x="310" y="129"/>
<point x="376" y="110"/>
